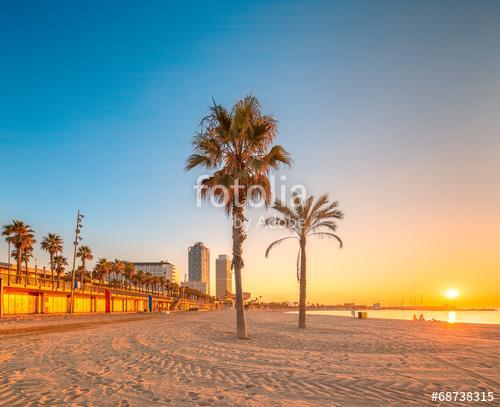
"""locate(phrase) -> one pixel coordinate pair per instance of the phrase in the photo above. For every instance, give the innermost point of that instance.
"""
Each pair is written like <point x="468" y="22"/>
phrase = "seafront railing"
<point x="34" y="294"/>
<point x="14" y="280"/>
<point x="36" y="281"/>
<point x="59" y="285"/>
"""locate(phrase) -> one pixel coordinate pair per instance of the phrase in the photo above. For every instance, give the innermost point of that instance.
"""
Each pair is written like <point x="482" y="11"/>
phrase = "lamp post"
<point x="79" y="219"/>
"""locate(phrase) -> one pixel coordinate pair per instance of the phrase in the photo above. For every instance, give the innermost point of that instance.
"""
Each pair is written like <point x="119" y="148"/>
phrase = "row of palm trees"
<point x="237" y="147"/>
<point x="115" y="274"/>
<point x="123" y="274"/>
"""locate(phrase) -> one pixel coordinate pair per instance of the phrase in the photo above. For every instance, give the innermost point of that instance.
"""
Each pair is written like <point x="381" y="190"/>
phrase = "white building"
<point x="158" y="269"/>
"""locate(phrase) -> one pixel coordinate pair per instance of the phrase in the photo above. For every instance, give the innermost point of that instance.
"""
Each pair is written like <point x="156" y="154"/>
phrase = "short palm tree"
<point x="60" y="263"/>
<point x="81" y="274"/>
<point x="305" y="219"/>
<point x="27" y="256"/>
<point x="85" y="253"/>
<point x="237" y="147"/>
<point x="52" y="244"/>
<point x="22" y="237"/>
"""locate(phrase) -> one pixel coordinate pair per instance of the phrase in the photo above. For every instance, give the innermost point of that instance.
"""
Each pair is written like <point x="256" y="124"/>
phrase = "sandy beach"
<point x="192" y="358"/>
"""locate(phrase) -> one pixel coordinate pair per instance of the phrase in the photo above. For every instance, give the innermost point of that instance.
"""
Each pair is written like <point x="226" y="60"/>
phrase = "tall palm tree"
<point x="85" y="253"/>
<point x="52" y="244"/>
<point x="60" y="263"/>
<point x="22" y="237"/>
<point x="237" y="147"/>
<point x="305" y="219"/>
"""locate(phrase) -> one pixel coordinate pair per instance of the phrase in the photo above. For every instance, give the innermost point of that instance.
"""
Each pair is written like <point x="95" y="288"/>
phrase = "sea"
<point x="459" y="316"/>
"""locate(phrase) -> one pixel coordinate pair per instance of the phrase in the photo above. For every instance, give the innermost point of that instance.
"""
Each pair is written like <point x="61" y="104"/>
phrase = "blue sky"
<point x="389" y="106"/>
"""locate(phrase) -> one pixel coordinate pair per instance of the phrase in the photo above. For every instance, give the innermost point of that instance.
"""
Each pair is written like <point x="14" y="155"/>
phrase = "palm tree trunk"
<point x="51" y="266"/>
<point x="81" y="273"/>
<point x="302" y="295"/>
<point x="19" y="263"/>
<point x="239" y="237"/>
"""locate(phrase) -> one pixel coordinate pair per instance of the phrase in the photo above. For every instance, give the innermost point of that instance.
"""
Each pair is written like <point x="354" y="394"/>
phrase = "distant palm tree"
<point x="52" y="244"/>
<point x="25" y="258"/>
<point x="118" y="267"/>
<point x="176" y="290"/>
<point x="148" y="280"/>
<point x="305" y="219"/>
<point x="85" y="253"/>
<point x="237" y="146"/>
<point x="22" y="237"/>
<point x="60" y="263"/>
<point x="139" y="279"/>
<point x="163" y="283"/>
<point x="102" y="270"/>
<point x="68" y="276"/>
<point x="27" y="255"/>
<point x="81" y="274"/>
<point x="129" y="272"/>
<point x="169" y="285"/>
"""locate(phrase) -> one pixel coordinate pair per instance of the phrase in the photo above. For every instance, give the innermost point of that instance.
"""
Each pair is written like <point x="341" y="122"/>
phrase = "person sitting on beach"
<point x="415" y="317"/>
<point x="421" y="317"/>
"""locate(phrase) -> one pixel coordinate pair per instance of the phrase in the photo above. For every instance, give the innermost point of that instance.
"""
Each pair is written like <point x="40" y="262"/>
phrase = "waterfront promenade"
<point x="193" y="358"/>
<point x="36" y="294"/>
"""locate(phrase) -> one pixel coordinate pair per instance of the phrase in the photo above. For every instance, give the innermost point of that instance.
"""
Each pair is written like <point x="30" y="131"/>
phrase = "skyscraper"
<point x="199" y="264"/>
<point x="223" y="276"/>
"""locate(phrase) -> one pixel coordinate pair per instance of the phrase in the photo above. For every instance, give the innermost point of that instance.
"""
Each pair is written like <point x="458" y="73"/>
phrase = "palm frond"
<point x="285" y="210"/>
<point x="332" y="235"/>
<point x="330" y="225"/>
<point x="277" y="243"/>
<point x="322" y="200"/>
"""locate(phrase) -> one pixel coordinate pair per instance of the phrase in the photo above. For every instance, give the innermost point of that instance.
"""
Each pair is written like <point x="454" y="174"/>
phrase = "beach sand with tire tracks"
<point x="193" y="358"/>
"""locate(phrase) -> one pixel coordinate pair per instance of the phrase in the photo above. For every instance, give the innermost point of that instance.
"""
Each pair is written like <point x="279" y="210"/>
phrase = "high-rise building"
<point x="199" y="264"/>
<point x="158" y="269"/>
<point x="223" y="276"/>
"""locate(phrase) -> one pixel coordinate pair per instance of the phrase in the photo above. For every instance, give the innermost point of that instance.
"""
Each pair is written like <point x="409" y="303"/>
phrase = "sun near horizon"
<point x="451" y="293"/>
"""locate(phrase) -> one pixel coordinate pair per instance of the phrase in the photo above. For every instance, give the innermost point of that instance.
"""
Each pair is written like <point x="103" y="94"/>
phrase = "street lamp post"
<point x="79" y="218"/>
